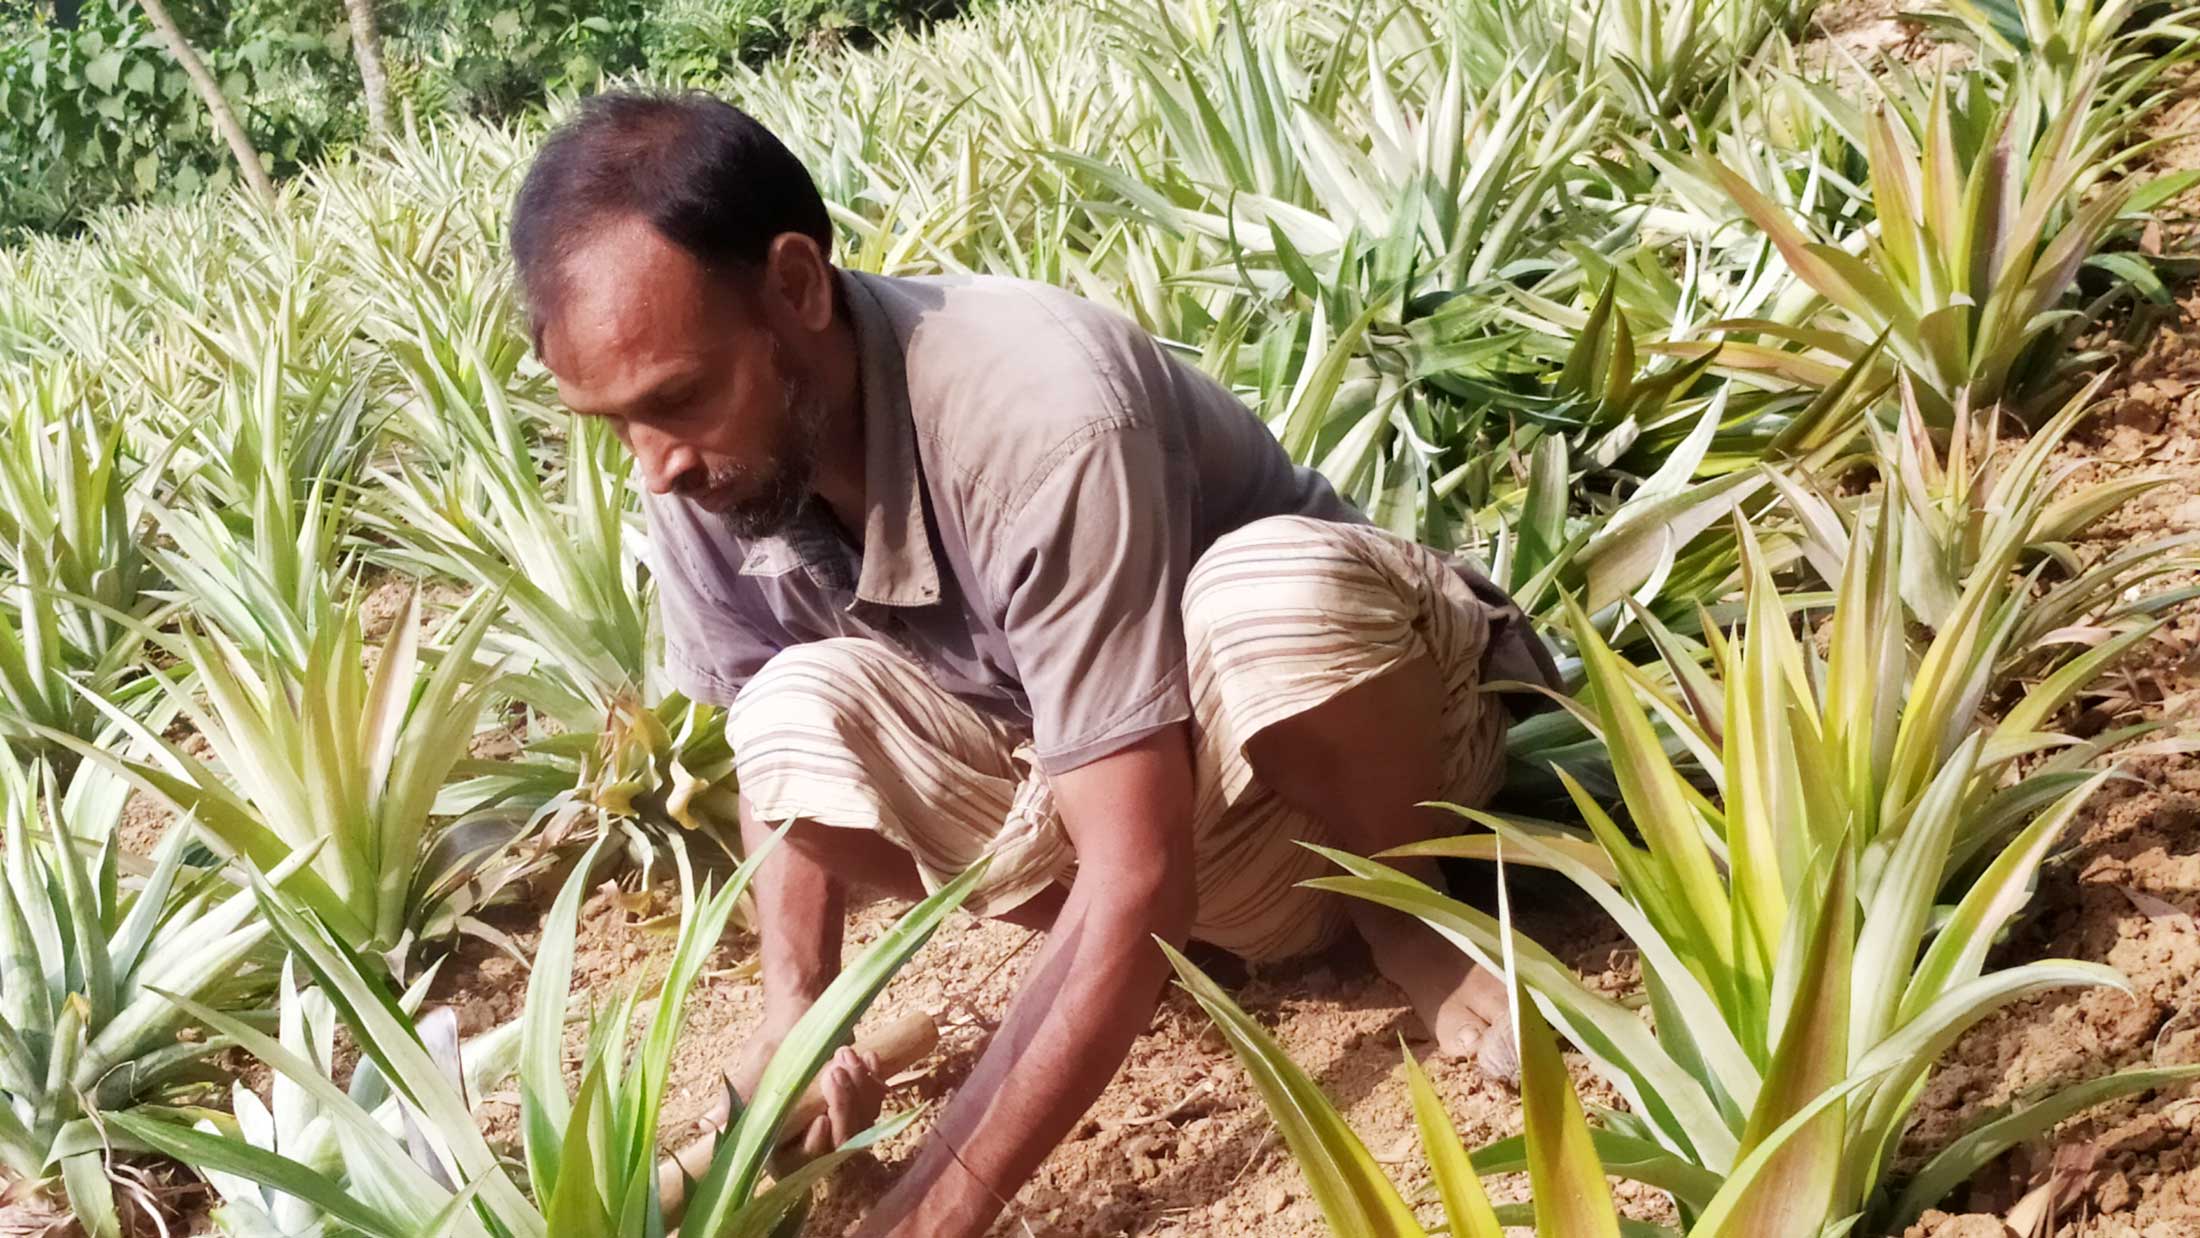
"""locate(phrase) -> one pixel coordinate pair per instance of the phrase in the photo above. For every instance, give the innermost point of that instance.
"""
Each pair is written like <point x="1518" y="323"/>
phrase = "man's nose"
<point x="664" y="460"/>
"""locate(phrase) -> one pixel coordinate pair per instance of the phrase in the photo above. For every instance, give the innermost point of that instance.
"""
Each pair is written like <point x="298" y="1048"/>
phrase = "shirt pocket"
<point x="769" y="559"/>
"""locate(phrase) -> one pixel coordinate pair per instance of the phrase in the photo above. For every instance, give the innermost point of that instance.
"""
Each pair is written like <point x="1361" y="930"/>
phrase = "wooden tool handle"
<point x="897" y="1046"/>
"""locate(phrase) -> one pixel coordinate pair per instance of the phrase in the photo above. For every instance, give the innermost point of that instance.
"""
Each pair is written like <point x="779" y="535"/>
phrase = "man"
<point x="984" y="570"/>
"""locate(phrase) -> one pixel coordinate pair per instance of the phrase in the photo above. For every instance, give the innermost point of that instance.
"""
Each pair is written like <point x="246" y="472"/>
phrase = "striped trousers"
<point x="1279" y="616"/>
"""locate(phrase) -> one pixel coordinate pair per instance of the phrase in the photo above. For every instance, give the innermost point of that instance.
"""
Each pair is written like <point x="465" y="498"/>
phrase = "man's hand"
<point x="854" y="1094"/>
<point x="1091" y="991"/>
<point x="852" y="1084"/>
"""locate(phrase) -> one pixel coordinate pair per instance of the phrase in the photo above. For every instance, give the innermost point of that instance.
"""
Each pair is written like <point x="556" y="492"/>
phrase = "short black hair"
<point x="701" y="171"/>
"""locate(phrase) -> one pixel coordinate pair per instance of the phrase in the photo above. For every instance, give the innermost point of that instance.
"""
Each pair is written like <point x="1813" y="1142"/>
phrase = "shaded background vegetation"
<point x="97" y="112"/>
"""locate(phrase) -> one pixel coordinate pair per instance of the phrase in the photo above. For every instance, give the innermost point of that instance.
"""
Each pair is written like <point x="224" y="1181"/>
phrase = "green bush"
<point x="695" y="40"/>
<point x="98" y="114"/>
<point x="496" y="58"/>
<point x="91" y="114"/>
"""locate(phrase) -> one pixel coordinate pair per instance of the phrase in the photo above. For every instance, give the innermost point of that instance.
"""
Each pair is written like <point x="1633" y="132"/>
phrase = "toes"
<point x="1498" y="1057"/>
<point x="1485" y="993"/>
<point x="1458" y="1032"/>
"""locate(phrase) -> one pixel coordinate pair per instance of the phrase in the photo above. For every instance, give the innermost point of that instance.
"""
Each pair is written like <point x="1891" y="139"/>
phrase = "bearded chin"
<point x="772" y="510"/>
<point x="787" y="492"/>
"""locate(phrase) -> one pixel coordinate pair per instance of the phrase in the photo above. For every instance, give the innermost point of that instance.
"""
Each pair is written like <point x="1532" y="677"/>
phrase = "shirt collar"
<point x="898" y="568"/>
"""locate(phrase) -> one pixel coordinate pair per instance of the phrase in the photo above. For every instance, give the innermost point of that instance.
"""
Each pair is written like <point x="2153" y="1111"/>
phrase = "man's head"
<point x="672" y="255"/>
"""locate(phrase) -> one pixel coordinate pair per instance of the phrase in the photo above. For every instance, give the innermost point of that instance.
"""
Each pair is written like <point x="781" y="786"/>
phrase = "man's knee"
<point x="1376" y="745"/>
<point x="808" y="689"/>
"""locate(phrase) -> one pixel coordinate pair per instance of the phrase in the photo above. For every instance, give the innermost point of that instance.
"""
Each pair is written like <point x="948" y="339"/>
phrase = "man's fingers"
<point x="818" y="1139"/>
<point x="839" y="1094"/>
<point x="844" y="1096"/>
<point x="853" y="1093"/>
<point x="871" y="1084"/>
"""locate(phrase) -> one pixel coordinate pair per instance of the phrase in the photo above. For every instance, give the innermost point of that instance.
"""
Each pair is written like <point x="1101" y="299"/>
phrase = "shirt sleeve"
<point x="715" y="639"/>
<point x="1096" y="559"/>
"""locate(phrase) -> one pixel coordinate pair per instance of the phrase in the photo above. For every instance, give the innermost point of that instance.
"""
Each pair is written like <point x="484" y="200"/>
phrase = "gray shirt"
<point x="1040" y="474"/>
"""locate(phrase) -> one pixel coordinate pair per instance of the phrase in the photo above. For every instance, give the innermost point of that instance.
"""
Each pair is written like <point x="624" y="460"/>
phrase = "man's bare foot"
<point x="1461" y="1005"/>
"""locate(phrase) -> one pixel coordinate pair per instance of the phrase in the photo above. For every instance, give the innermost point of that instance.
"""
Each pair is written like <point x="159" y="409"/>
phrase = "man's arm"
<point x="801" y="913"/>
<point x="1089" y="995"/>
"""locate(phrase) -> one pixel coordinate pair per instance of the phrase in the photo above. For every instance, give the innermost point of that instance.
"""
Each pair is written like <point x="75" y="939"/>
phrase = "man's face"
<point x="690" y="374"/>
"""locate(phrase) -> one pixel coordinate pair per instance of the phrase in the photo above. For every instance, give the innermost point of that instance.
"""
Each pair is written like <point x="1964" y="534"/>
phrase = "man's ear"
<point x="800" y="279"/>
